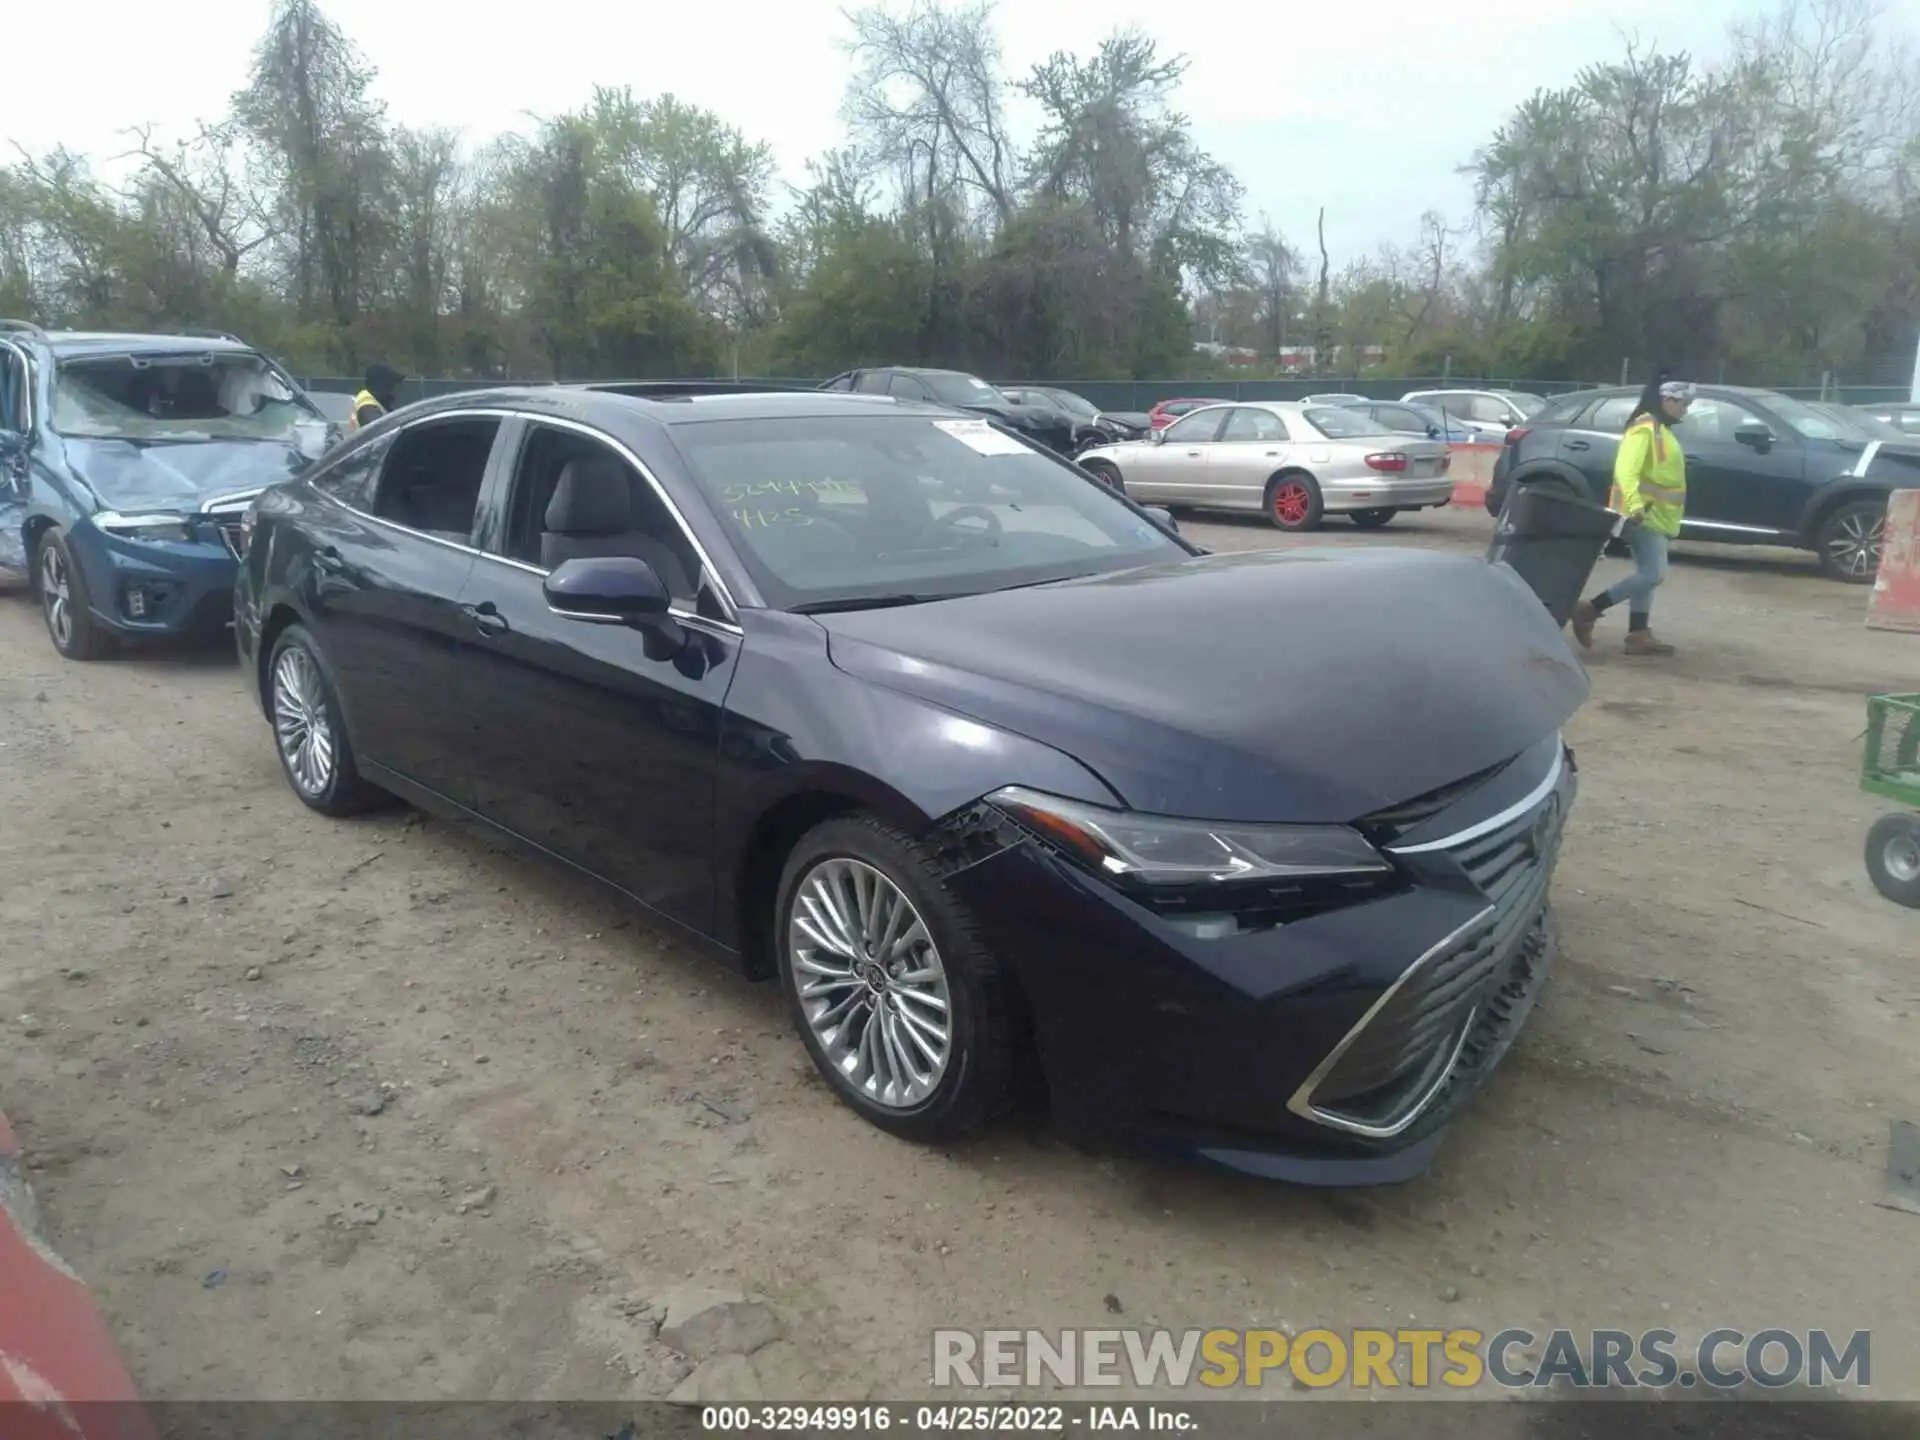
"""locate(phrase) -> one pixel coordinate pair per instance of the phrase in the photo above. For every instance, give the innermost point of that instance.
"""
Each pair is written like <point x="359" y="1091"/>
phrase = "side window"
<point x="1399" y="419"/>
<point x="1715" y="421"/>
<point x="575" y="497"/>
<point x="1610" y="416"/>
<point x="1909" y="421"/>
<point x="1248" y="423"/>
<point x="351" y="480"/>
<point x="13" y="390"/>
<point x="840" y="382"/>
<point x="431" y="479"/>
<point x="909" y="387"/>
<point x="1194" y="429"/>
<point x="871" y="382"/>
<point x="1488" y="410"/>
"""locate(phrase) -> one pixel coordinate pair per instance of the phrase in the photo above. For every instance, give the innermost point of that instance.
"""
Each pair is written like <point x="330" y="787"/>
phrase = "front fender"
<point x="1823" y="501"/>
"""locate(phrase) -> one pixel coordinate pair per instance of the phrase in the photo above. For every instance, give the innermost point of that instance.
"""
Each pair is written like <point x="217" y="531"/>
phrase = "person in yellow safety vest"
<point x="1650" y="489"/>
<point x="383" y="385"/>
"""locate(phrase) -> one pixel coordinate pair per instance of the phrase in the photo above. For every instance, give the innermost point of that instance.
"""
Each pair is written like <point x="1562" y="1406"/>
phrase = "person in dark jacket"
<point x="379" y="396"/>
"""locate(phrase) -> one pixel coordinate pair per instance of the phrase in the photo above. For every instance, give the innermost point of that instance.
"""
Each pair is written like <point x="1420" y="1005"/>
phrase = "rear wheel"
<point x="1373" y="519"/>
<point x="1893" y="859"/>
<point x="902" y="1008"/>
<point x="308" y="733"/>
<point x="65" y="603"/>
<point x="1106" y="473"/>
<point x="1848" y="540"/>
<point x="1293" y="501"/>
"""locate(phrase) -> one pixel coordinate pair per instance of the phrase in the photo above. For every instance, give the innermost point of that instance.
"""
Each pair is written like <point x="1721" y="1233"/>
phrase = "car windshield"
<point x="1342" y="424"/>
<point x="1526" y="404"/>
<point x="177" y="397"/>
<point x="1069" y="402"/>
<point x="962" y="390"/>
<point x="836" y="510"/>
<point x="1825" y="422"/>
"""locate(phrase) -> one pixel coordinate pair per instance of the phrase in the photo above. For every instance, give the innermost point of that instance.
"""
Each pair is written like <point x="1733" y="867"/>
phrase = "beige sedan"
<point x="1292" y="462"/>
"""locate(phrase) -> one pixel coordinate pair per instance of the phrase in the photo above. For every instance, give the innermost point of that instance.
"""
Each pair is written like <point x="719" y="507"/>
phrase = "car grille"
<point x="1398" y="1056"/>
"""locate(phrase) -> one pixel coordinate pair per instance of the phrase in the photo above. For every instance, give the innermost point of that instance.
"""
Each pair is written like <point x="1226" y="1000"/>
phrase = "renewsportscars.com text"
<point x="1364" y="1359"/>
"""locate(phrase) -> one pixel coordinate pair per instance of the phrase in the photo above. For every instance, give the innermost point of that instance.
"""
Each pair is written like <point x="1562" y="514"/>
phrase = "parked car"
<point x="955" y="775"/>
<point x="1408" y="418"/>
<point x="1762" y="469"/>
<point x="128" y="460"/>
<point x="1488" y="413"/>
<point x="1166" y="412"/>
<point x="1044" y="424"/>
<point x="1293" y="463"/>
<point x="1335" y="399"/>
<point x="1091" y="425"/>
<point x="1903" y="417"/>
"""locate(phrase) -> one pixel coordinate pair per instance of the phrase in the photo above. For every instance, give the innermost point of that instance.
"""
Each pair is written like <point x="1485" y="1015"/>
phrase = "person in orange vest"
<point x="1650" y="489"/>
<point x="378" y="397"/>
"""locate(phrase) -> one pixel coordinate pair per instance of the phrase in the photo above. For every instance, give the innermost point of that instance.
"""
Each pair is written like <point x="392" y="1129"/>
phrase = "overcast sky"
<point x="1367" y="109"/>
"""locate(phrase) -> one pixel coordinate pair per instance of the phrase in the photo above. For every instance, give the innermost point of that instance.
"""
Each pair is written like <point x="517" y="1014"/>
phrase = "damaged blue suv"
<point x="126" y="466"/>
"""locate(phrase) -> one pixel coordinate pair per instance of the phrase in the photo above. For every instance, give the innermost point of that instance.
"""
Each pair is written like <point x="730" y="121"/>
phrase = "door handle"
<point x="1193" y="454"/>
<point x="486" y="618"/>
<point x="1578" y="445"/>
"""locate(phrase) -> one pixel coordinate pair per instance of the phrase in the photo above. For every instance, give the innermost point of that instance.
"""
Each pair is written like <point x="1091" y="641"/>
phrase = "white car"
<point x="1292" y="462"/>
<point x="1488" y="413"/>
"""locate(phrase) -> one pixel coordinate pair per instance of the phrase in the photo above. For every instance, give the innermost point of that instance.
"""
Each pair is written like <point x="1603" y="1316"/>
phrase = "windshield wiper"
<point x="861" y="602"/>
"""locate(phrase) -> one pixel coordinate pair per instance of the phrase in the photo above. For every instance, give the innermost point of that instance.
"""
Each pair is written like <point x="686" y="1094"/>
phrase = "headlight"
<point x="145" y="527"/>
<point x="1153" y="850"/>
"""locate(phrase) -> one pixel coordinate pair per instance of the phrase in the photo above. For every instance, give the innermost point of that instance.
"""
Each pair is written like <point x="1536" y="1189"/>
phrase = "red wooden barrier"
<point x="1895" y="603"/>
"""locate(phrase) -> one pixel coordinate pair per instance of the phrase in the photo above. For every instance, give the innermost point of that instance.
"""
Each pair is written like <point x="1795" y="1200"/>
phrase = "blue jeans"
<point x="1649" y="570"/>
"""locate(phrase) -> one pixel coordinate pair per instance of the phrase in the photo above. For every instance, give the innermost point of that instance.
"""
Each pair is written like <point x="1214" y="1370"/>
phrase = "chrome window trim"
<point x="1301" y="1101"/>
<point x="26" y="381"/>
<point x="709" y="571"/>
<point x="1493" y="822"/>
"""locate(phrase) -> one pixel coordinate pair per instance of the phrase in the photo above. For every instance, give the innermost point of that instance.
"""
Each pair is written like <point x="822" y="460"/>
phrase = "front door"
<point x="390" y="561"/>
<point x="581" y="743"/>
<point x="1734" y="486"/>
<point x="1174" y="471"/>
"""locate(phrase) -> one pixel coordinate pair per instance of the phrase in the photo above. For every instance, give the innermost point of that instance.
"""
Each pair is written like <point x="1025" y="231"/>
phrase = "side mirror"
<point x="1164" y="516"/>
<point x="1157" y="437"/>
<point x="1433" y="432"/>
<point x="607" y="590"/>
<point x="1758" y="437"/>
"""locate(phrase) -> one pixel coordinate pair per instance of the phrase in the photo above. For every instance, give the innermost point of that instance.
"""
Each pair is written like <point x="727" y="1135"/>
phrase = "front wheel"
<point x="1848" y="541"/>
<point x="900" y="1005"/>
<point x="308" y="733"/>
<point x="1893" y="859"/>
<point x="1107" y="474"/>
<point x="1293" y="501"/>
<point x="65" y="603"/>
<point x="1373" y="519"/>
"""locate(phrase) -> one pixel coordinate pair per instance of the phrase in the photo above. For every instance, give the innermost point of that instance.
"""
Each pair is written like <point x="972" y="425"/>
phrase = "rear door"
<point x="582" y="742"/>
<point x="1252" y="445"/>
<point x="389" y="561"/>
<point x="1590" y="443"/>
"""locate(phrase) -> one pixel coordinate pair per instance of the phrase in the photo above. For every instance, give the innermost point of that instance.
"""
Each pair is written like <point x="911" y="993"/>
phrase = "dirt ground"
<point x="574" y="1115"/>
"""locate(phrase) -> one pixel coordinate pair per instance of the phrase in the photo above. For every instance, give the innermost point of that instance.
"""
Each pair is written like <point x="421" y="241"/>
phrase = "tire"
<point x="1106" y="474"/>
<point x="1293" y="502"/>
<point x="303" y="704"/>
<point x="977" y="1077"/>
<point x="1847" y="540"/>
<point x="1376" y="519"/>
<point x="1893" y="859"/>
<point x="65" y="604"/>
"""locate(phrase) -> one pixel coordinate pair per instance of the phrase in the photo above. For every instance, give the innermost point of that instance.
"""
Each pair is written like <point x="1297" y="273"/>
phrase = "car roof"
<point x="80" y="343"/>
<point x="667" y="404"/>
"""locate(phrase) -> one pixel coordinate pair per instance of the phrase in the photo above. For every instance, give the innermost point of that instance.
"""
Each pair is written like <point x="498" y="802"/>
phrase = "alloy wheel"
<point x="301" y="723"/>
<point x="56" y="594"/>
<point x="1854" y="546"/>
<point x="1292" y="502"/>
<point x="870" y="982"/>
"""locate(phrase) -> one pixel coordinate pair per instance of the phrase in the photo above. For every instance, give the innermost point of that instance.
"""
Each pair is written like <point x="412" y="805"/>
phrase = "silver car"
<point x="1488" y="413"/>
<point x="1292" y="462"/>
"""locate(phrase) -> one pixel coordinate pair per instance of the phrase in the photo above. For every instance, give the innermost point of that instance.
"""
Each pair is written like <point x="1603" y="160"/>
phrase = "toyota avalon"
<point x="1005" y="784"/>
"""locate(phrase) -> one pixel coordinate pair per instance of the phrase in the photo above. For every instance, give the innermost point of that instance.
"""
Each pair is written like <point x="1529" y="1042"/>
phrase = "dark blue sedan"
<point x="126" y="462"/>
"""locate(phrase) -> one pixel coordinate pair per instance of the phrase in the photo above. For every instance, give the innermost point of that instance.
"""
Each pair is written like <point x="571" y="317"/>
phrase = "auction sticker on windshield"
<point x="979" y="436"/>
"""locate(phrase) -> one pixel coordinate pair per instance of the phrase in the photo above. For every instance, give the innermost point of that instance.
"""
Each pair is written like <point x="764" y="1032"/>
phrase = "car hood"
<point x="1897" y="462"/>
<point x="1132" y="419"/>
<point x="1024" y="417"/>
<point x="180" y="475"/>
<point x="1304" y="685"/>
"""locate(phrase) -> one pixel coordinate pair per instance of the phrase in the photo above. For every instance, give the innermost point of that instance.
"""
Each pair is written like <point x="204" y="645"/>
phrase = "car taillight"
<point x="1517" y="434"/>
<point x="1446" y="460"/>
<point x="1389" y="460"/>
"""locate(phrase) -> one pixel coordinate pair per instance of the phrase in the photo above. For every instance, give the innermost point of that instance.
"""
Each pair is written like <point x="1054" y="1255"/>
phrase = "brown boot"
<point x="1641" y="642"/>
<point x="1585" y="617"/>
